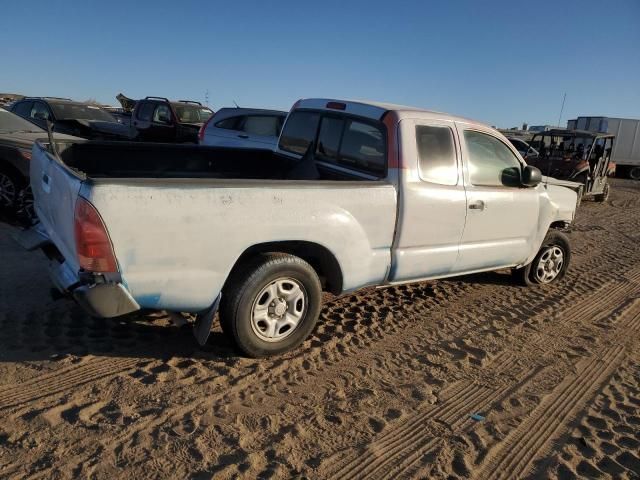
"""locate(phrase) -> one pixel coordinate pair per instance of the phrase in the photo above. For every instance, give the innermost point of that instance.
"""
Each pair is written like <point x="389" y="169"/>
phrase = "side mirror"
<point x="531" y="176"/>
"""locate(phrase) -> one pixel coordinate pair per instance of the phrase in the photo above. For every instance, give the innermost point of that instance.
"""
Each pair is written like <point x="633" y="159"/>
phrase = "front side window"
<point x="40" y="111"/>
<point x="490" y="162"/>
<point x="162" y="114"/>
<point x="436" y="155"/>
<point x="299" y="131"/>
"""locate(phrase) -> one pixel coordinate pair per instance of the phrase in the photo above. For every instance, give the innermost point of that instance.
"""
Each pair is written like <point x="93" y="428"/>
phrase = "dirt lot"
<point x="384" y="388"/>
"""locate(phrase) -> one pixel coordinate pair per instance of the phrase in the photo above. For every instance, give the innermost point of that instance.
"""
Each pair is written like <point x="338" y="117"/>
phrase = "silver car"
<point x="243" y="128"/>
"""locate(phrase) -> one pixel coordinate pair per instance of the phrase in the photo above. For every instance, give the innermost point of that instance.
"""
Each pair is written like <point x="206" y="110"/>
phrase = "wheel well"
<point x="560" y="225"/>
<point x="319" y="257"/>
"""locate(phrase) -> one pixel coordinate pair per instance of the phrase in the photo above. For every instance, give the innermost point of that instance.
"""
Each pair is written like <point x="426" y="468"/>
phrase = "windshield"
<point x="10" y="122"/>
<point x="191" y="113"/>
<point x="79" y="111"/>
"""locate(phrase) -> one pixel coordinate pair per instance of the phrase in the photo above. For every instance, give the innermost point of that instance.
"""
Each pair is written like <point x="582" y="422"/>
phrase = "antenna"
<point x="52" y="143"/>
<point x="206" y="97"/>
<point x="564" y="97"/>
<point x="237" y="106"/>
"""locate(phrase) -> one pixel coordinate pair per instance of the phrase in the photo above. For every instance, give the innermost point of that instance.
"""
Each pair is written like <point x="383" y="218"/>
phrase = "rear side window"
<point x="436" y="155"/>
<point x="145" y="111"/>
<point x="232" y="123"/>
<point x="363" y="147"/>
<point x="299" y="131"/>
<point x="23" y="109"/>
<point x="261" y="125"/>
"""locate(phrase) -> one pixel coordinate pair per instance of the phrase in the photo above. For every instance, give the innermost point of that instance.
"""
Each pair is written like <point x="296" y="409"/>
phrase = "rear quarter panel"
<point x="176" y="243"/>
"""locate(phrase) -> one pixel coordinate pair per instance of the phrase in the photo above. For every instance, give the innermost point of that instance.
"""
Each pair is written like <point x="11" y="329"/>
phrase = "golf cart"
<point x="576" y="155"/>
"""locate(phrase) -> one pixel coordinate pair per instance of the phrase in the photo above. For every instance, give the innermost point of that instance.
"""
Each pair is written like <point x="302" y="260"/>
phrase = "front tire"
<point x="550" y="264"/>
<point x="271" y="304"/>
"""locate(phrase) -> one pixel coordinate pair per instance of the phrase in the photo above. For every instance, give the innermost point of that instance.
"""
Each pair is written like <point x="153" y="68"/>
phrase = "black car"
<point x="156" y="119"/>
<point x="17" y="136"/>
<point x="71" y="118"/>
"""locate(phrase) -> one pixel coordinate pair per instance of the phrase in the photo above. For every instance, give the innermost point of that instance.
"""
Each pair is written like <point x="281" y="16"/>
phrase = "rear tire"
<point x="271" y="304"/>
<point x="9" y="188"/>
<point x="550" y="264"/>
<point x="634" y="173"/>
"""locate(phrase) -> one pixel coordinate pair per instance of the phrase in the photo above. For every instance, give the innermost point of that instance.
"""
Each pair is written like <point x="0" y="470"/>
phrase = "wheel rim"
<point x="278" y="309"/>
<point x="635" y="173"/>
<point x="549" y="264"/>
<point x="27" y="209"/>
<point x="7" y="190"/>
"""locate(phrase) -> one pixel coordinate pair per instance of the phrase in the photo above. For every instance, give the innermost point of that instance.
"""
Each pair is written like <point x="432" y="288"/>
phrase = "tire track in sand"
<point x="64" y="379"/>
<point x="513" y="457"/>
<point x="397" y="450"/>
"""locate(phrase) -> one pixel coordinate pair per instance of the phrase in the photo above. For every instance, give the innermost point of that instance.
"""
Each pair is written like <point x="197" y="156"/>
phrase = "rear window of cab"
<point x="350" y="142"/>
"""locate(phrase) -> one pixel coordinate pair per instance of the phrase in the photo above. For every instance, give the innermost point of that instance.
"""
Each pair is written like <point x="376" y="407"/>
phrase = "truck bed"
<point x="114" y="160"/>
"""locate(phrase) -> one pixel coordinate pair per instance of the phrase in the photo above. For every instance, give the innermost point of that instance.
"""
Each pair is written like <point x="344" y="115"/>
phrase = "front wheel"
<point x="550" y="264"/>
<point x="271" y="304"/>
<point x="602" y="197"/>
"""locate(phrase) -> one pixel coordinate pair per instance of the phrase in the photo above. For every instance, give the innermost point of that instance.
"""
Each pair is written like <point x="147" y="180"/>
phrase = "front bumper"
<point x="99" y="295"/>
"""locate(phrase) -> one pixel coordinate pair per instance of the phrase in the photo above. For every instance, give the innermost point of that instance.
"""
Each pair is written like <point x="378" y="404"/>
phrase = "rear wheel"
<point x="8" y="190"/>
<point x="271" y="304"/>
<point x="550" y="264"/>
<point x="635" y="173"/>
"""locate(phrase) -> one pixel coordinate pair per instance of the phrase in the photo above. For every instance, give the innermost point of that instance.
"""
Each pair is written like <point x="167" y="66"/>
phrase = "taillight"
<point x="93" y="247"/>
<point x="202" y="130"/>
<point x="26" y="154"/>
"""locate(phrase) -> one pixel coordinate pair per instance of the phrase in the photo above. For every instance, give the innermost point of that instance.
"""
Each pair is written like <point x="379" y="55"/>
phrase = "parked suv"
<point x="72" y="118"/>
<point x="156" y="119"/>
<point x="243" y="128"/>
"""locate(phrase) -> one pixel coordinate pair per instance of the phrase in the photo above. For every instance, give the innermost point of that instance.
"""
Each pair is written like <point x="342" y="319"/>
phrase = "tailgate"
<point x="55" y="190"/>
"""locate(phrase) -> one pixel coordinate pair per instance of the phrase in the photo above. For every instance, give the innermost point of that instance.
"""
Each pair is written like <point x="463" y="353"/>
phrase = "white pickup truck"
<point x="356" y="194"/>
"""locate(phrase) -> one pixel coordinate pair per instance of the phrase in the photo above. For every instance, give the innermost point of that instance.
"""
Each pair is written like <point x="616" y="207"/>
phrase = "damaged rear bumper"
<point x="99" y="295"/>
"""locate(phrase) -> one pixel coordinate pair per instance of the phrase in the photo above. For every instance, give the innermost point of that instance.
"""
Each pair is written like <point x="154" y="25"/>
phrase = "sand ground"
<point x="384" y="388"/>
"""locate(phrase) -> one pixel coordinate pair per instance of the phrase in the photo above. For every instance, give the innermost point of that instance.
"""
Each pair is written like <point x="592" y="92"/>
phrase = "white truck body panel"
<point x="177" y="240"/>
<point x="178" y="251"/>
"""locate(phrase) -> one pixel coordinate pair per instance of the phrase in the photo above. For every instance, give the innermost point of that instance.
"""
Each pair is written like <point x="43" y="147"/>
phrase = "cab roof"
<point x="376" y="110"/>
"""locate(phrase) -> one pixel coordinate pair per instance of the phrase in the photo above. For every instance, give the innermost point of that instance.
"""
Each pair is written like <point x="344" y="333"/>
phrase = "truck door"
<point x="432" y="202"/>
<point x="502" y="216"/>
<point x="163" y="125"/>
<point x="141" y="119"/>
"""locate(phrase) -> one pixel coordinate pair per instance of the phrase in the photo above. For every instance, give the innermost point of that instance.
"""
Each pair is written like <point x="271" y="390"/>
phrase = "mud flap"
<point x="204" y="321"/>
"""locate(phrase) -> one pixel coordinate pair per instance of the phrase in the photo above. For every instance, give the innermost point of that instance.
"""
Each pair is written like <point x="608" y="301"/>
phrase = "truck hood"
<point x="565" y="199"/>
<point x="562" y="183"/>
<point x="27" y="139"/>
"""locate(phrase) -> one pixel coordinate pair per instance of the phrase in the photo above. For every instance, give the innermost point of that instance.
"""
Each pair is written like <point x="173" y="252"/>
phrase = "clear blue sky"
<point x="503" y="62"/>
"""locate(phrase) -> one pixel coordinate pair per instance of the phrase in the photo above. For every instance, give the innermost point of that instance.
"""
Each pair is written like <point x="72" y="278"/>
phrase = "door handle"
<point x="242" y="135"/>
<point x="477" y="205"/>
<point x="45" y="183"/>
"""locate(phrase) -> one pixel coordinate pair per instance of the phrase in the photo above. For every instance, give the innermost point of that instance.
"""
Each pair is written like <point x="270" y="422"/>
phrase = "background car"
<point x="16" y="139"/>
<point x="243" y="128"/>
<point x="524" y="149"/>
<point x="157" y="119"/>
<point x="72" y="118"/>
